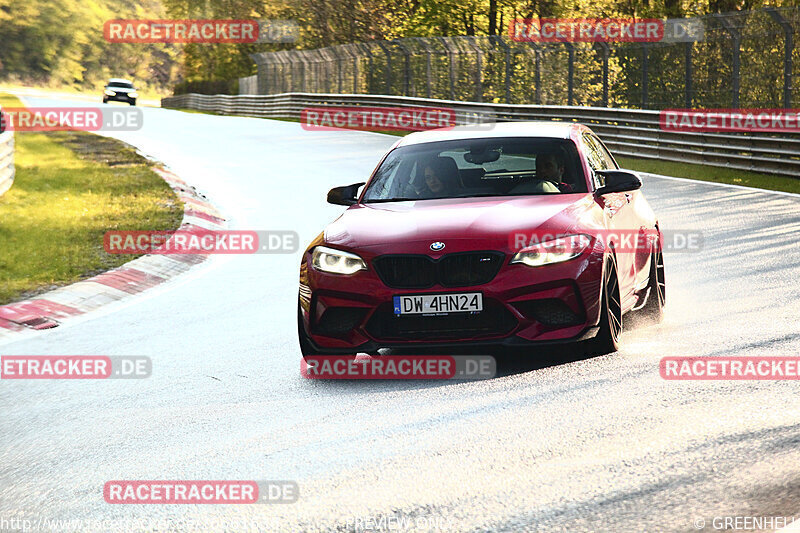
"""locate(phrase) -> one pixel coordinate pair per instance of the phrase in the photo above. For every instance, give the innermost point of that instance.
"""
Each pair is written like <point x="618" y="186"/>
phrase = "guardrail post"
<point x="537" y="73"/>
<point x="428" y="77"/>
<point x="302" y="57"/>
<point x="687" y="49"/>
<point x="406" y="67"/>
<point x="478" y="70"/>
<point x="352" y="51"/>
<point x="645" y="74"/>
<point x="386" y="51"/>
<point x="605" y="51"/>
<point x="339" y="74"/>
<point x="788" y="47"/>
<point x="286" y="75"/>
<point x="315" y="65"/>
<point x="498" y="41"/>
<point x="735" y="50"/>
<point x="451" y="58"/>
<point x="365" y="47"/>
<point x="571" y="72"/>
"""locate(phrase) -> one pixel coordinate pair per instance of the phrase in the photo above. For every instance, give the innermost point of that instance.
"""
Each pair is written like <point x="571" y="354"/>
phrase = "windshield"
<point x="478" y="167"/>
<point x="120" y="84"/>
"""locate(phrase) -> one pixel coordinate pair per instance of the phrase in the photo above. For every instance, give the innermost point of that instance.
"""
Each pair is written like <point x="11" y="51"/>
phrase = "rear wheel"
<point x="607" y="339"/>
<point x="654" y="308"/>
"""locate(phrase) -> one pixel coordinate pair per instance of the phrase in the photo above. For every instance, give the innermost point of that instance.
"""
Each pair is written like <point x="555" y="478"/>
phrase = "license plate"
<point x="438" y="304"/>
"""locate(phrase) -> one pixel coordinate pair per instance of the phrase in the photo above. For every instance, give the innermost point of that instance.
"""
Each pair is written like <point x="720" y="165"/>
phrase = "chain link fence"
<point x="744" y="59"/>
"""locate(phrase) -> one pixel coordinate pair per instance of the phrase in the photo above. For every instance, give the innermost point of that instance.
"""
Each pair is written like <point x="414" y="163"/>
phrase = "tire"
<point x="105" y="100"/>
<point x="607" y="339"/>
<point x="654" y="308"/>
<point x="132" y="102"/>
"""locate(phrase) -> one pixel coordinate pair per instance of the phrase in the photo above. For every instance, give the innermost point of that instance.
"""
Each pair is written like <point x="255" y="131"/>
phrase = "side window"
<point x="599" y="158"/>
<point x="605" y="154"/>
<point x="595" y="160"/>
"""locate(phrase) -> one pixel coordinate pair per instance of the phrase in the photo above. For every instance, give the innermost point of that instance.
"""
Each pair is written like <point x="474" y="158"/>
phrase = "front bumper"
<point x="522" y="306"/>
<point x="119" y="97"/>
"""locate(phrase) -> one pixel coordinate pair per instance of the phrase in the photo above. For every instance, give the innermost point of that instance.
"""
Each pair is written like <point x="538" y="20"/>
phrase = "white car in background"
<point x="120" y="90"/>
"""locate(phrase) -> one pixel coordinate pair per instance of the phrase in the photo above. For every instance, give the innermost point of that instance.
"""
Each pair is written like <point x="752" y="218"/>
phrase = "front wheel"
<point x="657" y="287"/>
<point x="607" y="339"/>
<point x="132" y="102"/>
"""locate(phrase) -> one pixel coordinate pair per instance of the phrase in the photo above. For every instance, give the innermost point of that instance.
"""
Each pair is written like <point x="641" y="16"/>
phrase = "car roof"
<point x="121" y="80"/>
<point x="554" y="130"/>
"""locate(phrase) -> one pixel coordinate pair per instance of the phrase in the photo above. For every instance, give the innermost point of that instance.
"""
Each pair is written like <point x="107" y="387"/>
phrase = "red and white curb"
<point x="52" y="308"/>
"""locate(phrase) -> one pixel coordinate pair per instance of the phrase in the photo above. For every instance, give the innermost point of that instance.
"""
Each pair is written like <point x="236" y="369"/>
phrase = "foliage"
<point x="60" y="42"/>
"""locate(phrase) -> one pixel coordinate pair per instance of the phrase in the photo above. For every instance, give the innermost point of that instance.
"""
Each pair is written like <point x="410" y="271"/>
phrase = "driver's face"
<point x="547" y="168"/>
<point x="432" y="180"/>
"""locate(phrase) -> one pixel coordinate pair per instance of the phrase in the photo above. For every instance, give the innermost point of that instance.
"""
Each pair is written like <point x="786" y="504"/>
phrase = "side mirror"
<point x="344" y="195"/>
<point x="618" y="181"/>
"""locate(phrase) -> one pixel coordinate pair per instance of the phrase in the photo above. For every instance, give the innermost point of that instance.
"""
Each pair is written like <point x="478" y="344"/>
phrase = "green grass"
<point x="71" y="188"/>
<point x="714" y="174"/>
<point x="665" y="168"/>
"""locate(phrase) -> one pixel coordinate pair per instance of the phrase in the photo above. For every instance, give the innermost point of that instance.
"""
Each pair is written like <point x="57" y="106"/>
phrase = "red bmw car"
<point x="509" y="237"/>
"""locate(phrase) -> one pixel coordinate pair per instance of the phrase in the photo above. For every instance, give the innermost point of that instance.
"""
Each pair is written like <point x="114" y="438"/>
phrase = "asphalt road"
<point x="602" y="444"/>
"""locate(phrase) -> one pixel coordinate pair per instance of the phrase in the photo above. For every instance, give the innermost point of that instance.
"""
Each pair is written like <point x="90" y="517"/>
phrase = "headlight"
<point x="552" y="251"/>
<point x="109" y="92"/>
<point x="336" y="261"/>
<point x="134" y="94"/>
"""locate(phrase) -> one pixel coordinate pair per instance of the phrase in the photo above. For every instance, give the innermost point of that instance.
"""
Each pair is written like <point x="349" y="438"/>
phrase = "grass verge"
<point x="714" y="174"/>
<point x="666" y="168"/>
<point x="71" y="188"/>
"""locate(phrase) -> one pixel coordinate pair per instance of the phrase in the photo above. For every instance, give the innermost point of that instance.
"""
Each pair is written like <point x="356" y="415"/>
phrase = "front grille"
<point x="406" y="271"/>
<point x="495" y="320"/>
<point x="451" y="270"/>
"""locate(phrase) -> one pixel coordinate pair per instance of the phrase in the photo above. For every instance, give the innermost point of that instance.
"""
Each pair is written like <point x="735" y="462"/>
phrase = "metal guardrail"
<point x="628" y="132"/>
<point x="6" y="161"/>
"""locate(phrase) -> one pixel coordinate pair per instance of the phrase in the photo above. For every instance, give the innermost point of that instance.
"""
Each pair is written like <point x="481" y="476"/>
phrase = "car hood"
<point x="121" y="89"/>
<point x="462" y="224"/>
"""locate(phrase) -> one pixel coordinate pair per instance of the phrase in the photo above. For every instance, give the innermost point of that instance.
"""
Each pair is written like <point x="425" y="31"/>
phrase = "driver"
<point x="549" y="176"/>
<point x="434" y="180"/>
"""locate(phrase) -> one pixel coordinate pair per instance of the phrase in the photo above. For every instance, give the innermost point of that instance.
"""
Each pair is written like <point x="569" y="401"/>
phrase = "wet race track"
<point x="551" y="444"/>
